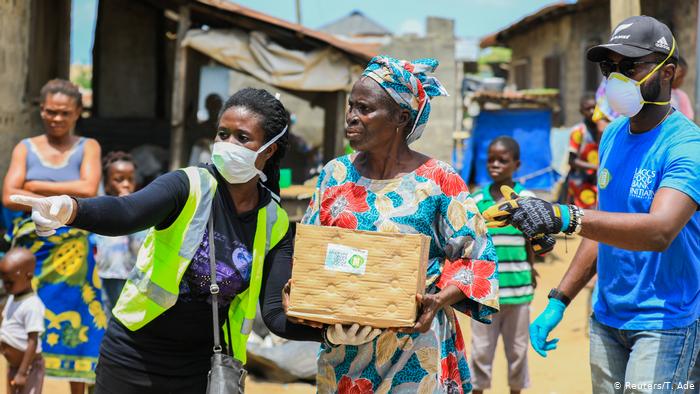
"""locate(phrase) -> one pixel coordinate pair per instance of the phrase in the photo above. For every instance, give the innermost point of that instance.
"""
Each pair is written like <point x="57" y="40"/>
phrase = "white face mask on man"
<point x="236" y="163"/>
<point x="624" y="94"/>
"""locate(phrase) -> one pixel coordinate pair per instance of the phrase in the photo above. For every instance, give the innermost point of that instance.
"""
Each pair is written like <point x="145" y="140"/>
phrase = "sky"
<point x="83" y="15"/>
<point x="473" y="18"/>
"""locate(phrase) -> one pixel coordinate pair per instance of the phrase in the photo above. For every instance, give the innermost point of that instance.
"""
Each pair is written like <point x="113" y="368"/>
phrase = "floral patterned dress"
<point x="582" y="187"/>
<point x="433" y="200"/>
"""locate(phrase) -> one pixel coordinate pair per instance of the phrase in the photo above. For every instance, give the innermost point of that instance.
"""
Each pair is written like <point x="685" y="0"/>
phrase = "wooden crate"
<point x="350" y="276"/>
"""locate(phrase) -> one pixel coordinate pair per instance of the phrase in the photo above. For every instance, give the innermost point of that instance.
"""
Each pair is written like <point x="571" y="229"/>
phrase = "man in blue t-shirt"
<point x="645" y="236"/>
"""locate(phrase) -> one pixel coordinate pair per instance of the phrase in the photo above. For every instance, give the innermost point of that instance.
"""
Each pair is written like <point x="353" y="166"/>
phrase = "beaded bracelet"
<point x="575" y="215"/>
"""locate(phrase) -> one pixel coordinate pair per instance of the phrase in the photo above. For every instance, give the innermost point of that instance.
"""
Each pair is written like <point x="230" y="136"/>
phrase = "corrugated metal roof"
<point x="546" y="13"/>
<point x="359" y="53"/>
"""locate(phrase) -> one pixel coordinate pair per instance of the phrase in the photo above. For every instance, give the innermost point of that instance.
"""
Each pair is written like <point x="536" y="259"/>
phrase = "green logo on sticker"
<point x="604" y="178"/>
<point x="356" y="261"/>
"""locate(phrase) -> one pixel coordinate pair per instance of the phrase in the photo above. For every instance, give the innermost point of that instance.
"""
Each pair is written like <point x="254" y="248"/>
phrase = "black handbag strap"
<point x="213" y="287"/>
<point x="230" y="341"/>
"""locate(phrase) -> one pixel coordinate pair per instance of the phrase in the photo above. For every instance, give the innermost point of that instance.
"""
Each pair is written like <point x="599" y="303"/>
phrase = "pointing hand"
<point x="48" y="213"/>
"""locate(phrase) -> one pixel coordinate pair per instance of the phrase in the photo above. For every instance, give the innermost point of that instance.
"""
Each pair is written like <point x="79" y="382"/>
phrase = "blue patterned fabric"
<point x="407" y="83"/>
<point x="66" y="280"/>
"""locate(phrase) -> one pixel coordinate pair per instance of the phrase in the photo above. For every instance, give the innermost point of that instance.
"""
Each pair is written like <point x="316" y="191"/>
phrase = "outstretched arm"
<point x="158" y="204"/>
<point x="670" y="212"/>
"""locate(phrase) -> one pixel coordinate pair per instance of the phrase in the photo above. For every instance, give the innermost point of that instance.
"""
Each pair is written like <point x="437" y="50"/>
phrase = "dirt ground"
<point x="565" y="370"/>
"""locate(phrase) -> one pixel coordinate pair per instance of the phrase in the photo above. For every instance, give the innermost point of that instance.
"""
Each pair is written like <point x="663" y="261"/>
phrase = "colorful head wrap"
<point x="409" y="86"/>
<point x="602" y="107"/>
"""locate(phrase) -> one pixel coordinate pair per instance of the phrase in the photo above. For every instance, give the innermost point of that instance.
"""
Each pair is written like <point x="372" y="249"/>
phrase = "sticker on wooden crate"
<point x="346" y="259"/>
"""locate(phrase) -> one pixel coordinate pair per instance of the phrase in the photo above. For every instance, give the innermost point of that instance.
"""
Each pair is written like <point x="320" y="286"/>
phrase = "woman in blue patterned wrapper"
<point x="388" y="187"/>
<point x="59" y="162"/>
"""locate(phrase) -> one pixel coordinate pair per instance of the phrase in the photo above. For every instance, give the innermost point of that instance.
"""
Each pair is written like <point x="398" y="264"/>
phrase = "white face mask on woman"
<point x="625" y="95"/>
<point x="236" y="163"/>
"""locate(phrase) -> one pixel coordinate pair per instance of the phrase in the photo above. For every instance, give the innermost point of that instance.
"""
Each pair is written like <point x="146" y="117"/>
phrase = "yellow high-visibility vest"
<point x="153" y="286"/>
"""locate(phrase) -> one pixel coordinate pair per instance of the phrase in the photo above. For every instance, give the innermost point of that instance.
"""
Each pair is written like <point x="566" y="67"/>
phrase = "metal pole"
<point x="298" y="6"/>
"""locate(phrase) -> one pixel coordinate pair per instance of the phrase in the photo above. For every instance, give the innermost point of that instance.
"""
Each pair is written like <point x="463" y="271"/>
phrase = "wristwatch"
<point x="324" y="335"/>
<point x="558" y="295"/>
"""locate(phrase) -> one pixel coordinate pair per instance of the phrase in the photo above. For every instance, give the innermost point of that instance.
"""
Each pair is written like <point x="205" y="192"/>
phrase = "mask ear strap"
<point x="658" y="66"/>
<point x="274" y="139"/>
<point x="263" y="177"/>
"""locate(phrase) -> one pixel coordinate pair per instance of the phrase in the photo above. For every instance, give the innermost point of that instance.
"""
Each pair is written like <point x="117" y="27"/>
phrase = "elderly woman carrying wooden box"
<point x="388" y="187"/>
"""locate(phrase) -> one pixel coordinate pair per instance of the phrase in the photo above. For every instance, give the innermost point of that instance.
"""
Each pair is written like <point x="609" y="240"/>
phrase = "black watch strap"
<point x="326" y="341"/>
<point x="558" y="295"/>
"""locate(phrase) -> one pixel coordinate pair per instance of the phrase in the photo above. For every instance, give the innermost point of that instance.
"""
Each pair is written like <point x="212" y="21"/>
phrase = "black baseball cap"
<point x="636" y="36"/>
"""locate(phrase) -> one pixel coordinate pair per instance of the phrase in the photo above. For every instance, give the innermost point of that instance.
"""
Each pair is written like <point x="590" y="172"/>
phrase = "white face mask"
<point x="624" y="94"/>
<point x="236" y="163"/>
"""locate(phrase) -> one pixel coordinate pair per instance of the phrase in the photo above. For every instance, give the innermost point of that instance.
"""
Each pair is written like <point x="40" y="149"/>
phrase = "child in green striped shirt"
<point x="515" y="275"/>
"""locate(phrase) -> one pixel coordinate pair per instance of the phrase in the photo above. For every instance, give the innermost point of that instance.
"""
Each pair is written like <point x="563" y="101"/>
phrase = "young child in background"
<point x="116" y="256"/>
<point x="516" y="277"/>
<point x="22" y="324"/>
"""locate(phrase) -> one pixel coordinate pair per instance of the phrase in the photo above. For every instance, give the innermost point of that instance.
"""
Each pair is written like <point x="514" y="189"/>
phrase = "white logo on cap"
<point x="621" y="28"/>
<point x="621" y="37"/>
<point x="662" y="43"/>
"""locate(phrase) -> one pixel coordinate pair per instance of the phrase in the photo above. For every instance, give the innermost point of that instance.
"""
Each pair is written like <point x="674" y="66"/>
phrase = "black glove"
<point x="535" y="217"/>
<point x="542" y="244"/>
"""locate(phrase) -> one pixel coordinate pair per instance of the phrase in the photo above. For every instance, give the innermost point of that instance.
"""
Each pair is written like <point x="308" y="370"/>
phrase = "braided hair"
<point x="274" y="118"/>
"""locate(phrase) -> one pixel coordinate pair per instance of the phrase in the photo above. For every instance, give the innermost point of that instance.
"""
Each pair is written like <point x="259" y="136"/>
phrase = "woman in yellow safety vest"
<point x="161" y="340"/>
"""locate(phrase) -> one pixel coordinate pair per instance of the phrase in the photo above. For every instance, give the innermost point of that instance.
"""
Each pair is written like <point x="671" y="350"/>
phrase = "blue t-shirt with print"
<point x="649" y="290"/>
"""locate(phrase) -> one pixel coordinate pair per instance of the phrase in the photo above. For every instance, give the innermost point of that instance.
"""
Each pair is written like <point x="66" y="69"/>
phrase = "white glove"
<point x="351" y="335"/>
<point x="48" y="213"/>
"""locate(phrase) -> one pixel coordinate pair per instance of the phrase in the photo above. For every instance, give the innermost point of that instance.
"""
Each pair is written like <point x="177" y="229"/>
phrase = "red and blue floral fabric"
<point x="582" y="184"/>
<point x="433" y="200"/>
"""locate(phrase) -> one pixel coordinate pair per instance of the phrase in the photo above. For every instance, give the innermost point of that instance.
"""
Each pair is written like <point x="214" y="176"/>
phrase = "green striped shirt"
<point x="514" y="271"/>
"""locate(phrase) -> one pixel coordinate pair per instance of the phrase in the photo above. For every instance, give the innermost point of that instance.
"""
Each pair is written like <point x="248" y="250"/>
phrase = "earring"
<point x="397" y="130"/>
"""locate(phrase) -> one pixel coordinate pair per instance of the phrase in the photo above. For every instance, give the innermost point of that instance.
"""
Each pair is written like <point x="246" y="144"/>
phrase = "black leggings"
<point x="115" y="379"/>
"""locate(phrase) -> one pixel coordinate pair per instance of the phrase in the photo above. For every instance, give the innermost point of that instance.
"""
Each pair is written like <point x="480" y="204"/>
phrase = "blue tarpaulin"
<point x="530" y="127"/>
